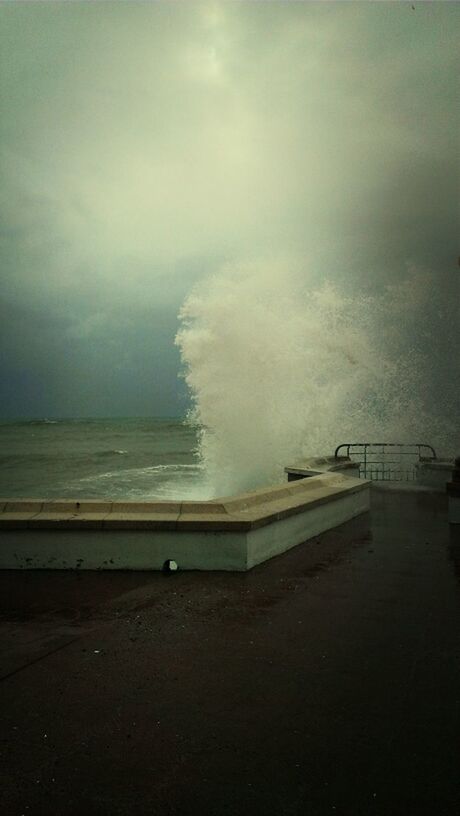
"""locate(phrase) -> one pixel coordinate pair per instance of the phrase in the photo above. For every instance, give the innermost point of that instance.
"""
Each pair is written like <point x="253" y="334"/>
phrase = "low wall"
<point x="434" y="473"/>
<point x="233" y="533"/>
<point x="322" y="464"/>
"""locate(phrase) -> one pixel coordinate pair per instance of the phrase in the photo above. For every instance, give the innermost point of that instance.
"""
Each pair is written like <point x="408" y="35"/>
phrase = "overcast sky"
<point x="144" y="145"/>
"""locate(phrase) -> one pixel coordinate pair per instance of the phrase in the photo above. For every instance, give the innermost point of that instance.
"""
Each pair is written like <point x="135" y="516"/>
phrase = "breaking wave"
<point x="279" y="369"/>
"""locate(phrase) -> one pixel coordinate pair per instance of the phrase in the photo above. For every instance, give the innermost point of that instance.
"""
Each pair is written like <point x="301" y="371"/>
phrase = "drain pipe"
<point x="170" y="566"/>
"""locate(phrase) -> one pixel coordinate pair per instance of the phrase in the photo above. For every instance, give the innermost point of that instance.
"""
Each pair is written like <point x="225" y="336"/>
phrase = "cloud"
<point x="143" y="145"/>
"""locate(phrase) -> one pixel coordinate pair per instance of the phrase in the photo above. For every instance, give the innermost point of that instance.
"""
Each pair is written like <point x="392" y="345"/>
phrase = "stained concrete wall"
<point x="232" y="533"/>
<point x="122" y="549"/>
<point x="283" y="535"/>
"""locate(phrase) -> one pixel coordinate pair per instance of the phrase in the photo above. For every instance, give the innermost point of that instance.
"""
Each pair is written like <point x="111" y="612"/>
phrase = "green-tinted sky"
<point x="145" y="144"/>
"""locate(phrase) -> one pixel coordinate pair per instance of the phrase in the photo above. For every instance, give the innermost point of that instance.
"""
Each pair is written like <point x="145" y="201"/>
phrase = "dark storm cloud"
<point x="143" y="145"/>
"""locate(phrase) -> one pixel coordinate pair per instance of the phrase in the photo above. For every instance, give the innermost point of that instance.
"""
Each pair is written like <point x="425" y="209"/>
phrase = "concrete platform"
<point x="325" y="681"/>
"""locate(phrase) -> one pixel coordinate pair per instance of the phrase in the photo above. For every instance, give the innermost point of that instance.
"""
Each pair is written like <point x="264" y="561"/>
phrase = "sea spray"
<point x="279" y="370"/>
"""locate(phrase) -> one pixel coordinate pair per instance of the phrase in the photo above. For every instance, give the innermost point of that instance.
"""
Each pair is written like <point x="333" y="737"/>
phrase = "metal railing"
<point x="387" y="461"/>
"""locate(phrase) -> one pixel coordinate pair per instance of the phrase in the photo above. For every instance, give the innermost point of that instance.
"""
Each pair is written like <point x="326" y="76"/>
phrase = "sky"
<point x="143" y="146"/>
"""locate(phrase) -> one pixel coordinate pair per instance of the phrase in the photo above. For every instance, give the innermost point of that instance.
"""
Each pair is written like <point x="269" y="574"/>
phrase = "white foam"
<point x="278" y="370"/>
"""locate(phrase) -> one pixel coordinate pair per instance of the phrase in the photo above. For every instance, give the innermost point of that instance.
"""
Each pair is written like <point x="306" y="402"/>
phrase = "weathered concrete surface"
<point x="325" y="681"/>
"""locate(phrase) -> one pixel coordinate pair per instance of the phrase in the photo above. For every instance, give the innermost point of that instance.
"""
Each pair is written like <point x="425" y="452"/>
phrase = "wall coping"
<point x="243" y="512"/>
<point x="322" y="464"/>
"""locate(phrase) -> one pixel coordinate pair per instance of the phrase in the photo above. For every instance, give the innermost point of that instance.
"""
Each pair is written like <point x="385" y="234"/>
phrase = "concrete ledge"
<point x="232" y="533"/>
<point x="266" y="542"/>
<point x="434" y="473"/>
<point x="322" y="464"/>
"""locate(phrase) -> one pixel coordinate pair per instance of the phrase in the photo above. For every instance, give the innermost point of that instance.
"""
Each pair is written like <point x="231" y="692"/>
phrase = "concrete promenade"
<point x="323" y="682"/>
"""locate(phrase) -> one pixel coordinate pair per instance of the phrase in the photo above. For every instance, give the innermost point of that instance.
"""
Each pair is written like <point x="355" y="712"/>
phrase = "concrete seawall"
<point x="233" y="533"/>
<point x="434" y="473"/>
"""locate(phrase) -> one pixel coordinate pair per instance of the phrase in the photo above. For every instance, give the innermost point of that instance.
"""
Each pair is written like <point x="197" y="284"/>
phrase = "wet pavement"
<point x="326" y="681"/>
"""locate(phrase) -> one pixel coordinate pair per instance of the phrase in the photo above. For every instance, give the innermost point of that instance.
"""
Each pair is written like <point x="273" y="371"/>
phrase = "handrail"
<point x="376" y="453"/>
<point x="366" y="445"/>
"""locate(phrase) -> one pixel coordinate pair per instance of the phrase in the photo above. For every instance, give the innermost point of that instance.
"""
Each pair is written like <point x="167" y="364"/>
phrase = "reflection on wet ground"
<point x="325" y="681"/>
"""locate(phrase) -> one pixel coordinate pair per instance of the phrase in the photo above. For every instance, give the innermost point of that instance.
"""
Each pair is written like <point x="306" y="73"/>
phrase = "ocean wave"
<point x="103" y="454"/>
<point x="98" y="458"/>
<point x="7" y="424"/>
<point x="179" y="466"/>
<point x="53" y="457"/>
<point x="172" y="470"/>
<point x="26" y="458"/>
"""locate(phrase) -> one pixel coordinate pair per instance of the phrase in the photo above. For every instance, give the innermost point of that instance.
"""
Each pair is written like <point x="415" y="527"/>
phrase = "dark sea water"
<point x="99" y="458"/>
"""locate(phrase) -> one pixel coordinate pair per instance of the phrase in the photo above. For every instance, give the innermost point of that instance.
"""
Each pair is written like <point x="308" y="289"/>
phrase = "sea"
<point x="131" y="459"/>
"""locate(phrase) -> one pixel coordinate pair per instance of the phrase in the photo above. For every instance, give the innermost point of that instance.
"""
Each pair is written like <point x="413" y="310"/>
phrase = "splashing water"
<point x="278" y="370"/>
